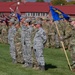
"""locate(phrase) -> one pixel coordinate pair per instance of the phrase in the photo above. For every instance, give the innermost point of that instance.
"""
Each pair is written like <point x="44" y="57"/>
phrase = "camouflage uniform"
<point x="56" y="37"/>
<point x="72" y="45"/>
<point x="4" y="33"/>
<point x="51" y="35"/>
<point x="11" y="34"/>
<point x="27" y="54"/>
<point x="33" y="54"/>
<point x="0" y="33"/>
<point x="61" y="27"/>
<point x="68" y="29"/>
<point x="46" y="27"/>
<point x="39" y="41"/>
<point x="18" y="45"/>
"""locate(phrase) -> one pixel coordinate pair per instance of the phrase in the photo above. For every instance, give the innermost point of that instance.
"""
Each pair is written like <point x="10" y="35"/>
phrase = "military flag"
<point x="58" y="14"/>
<point x="18" y="14"/>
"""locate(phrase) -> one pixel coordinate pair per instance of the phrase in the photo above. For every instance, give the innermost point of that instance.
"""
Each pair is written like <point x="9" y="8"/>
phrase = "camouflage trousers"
<point x="19" y="56"/>
<point x="27" y="54"/>
<point x="4" y="38"/>
<point x="73" y="55"/>
<point x="0" y="39"/>
<point x="34" y="61"/>
<point x="12" y="50"/>
<point x="73" y="52"/>
<point x="57" y="41"/>
<point x="39" y="56"/>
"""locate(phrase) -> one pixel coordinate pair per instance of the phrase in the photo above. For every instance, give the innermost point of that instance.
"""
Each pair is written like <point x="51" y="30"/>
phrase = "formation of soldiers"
<point x="28" y="38"/>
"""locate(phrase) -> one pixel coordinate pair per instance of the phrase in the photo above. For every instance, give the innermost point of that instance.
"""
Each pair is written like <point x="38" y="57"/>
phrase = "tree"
<point x="59" y="2"/>
<point x="71" y="3"/>
<point x="39" y="0"/>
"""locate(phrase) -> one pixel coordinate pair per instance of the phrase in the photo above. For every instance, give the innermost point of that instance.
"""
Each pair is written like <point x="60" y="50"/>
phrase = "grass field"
<point x="56" y="63"/>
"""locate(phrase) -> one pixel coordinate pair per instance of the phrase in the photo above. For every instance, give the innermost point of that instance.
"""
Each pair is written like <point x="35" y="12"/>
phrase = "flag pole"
<point x="63" y="46"/>
<point x="17" y="9"/>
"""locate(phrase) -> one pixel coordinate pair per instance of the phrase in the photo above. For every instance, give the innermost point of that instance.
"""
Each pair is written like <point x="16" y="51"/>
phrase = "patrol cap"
<point x="11" y="20"/>
<point x="27" y="21"/>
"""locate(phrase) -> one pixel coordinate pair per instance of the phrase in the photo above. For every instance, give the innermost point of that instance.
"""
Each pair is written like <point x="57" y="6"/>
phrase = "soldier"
<point x="35" y="64"/>
<point x="57" y="41"/>
<point x="46" y="27"/>
<point x="4" y="32"/>
<point x="0" y="32"/>
<point x="18" y="45"/>
<point x="22" y="30"/>
<point x="51" y="34"/>
<point x="39" y="42"/>
<point x="72" y="43"/>
<point x="11" y="34"/>
<point x="27" y="54"/>
<point x="68" y="29"/>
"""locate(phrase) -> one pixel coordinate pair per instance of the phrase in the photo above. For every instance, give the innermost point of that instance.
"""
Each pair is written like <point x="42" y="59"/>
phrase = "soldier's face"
<point x="17" y="26"/>
<point x="37" y="26"/>
<point x="73" y="25"/>
<point x="10" y="24"/>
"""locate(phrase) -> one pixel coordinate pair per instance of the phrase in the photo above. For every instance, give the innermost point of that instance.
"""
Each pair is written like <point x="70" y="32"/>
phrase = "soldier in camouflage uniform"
<point x="72" y="44"/>
<point x="64" y="28"/>
<point x="39" y="42"/>
<point x="4" y="32"/>
<point x="46" y="27"/>
<point x="11" y="34"/>
<point x="0" y="32"/>
<point x="56" y="37"/>
<point x="27" y="54"/>
<point x="51" y="34"/>
<point x="68" y="29"/>
<point x="18" y="45"/>
<point x="35" y="64"/>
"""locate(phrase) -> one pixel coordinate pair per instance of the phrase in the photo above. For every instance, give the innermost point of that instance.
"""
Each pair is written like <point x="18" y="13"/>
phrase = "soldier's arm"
<point x="44" y="37"/>
<point x="67" y="36"/>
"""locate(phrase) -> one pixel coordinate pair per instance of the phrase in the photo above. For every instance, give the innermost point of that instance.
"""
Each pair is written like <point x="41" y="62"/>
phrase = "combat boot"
<point x="25" y="65"/>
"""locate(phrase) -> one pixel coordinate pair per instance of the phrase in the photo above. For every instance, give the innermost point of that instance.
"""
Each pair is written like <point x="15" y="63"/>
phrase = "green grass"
<point x="56" y="63"/>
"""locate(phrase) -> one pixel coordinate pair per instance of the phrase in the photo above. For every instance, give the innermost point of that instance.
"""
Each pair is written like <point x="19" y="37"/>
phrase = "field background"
<point x="56" y="63"/>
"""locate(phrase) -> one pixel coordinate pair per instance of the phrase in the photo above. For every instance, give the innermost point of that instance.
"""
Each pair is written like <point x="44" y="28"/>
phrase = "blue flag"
<point x="18" y="16"/>
<point x="57" y="14"/>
